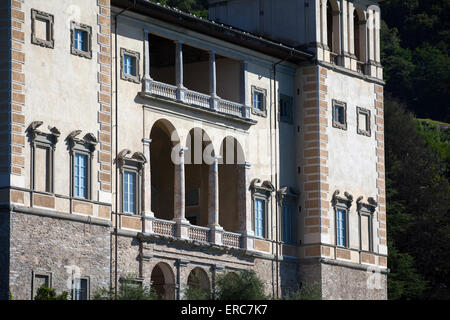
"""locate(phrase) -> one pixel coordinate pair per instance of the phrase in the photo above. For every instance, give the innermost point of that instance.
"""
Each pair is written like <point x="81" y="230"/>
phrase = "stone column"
<point x="344" y="27"/>
<point x="324" y="26"/>
<point x="351" y="30"/>
<point x="179" y="197"/>
<point x="377" y="27"/>
<point x="147" y="78"/>
<point x="213" y="203"/>
<point x="146" y="190"/>
<point x="213" y="80"/>
<point x="245" y="206"/>
<point x="181" y="90"/>
<point x="370" y="37"/>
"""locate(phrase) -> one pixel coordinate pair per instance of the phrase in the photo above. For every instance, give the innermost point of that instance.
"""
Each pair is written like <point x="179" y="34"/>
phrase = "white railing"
<point x="199" y="233"/>
<point x="163" y="89"/>
<point x="231" y="239"/>
<point x="164" y="227"/>
<point x="198" y="99"/>
<point x="229" y="107"/>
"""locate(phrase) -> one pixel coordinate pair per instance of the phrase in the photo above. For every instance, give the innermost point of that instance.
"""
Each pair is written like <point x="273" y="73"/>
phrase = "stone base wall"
<point x="345" y="282"/>
<point x="58" y="246"/>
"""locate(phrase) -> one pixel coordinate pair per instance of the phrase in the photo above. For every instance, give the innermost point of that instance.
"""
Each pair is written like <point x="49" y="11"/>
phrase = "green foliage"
<point x="244" y="285"/>
<point x="306" y="292"/>
<point x="45" y="293"/>
<point x="418" y="198"/>
<point x="129" y="289"/>
<point x="196" y="293"/>
<point x="11" y="297"/>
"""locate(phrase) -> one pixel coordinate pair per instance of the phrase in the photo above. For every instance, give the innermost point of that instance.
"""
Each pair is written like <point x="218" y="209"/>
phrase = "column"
<point x="244" y="96"/>
<point x="245" y="206"/>
<point x="179" y="197"/>
<point x="351" y="30"/>
<point x="370" y="37"/>
<point x="344" y="27"/>
<point x="213" y="202"/>
<point x="181" y="90"/>
<point x="377" y="35"/>
<point x="147" y="78"/>
<point x="146" y="190"/>
<point x="324" y="27"/>
<point x="213" y="80"/>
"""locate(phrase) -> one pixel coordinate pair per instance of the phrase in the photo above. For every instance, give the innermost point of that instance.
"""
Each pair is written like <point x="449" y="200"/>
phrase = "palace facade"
<point x="140" y="140"/>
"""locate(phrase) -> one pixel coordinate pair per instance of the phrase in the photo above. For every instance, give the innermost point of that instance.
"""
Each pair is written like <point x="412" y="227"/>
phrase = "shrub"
<point x="244" y="285"/>
<point x="129" y="289"/>
<point x="45" y="293"/>
<point x="305" y="292"/>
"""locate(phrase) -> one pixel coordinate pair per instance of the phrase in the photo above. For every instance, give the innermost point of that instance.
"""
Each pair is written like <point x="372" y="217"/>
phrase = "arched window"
<point x="333" y="37"/>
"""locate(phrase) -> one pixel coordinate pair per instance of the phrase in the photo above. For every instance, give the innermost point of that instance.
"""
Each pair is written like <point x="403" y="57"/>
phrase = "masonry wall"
<point x="42" y="243"/>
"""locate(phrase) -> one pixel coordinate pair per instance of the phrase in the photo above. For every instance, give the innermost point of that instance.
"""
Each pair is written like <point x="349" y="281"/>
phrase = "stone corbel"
<point x="348" y="198"/>
<point x="370" y="205"/>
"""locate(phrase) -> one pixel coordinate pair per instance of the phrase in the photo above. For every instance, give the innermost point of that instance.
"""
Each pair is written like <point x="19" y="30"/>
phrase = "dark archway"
<point x="163" y="281"/>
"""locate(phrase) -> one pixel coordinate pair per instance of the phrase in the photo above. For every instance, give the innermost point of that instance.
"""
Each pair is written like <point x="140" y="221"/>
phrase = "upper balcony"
<point x="195" y="77"/>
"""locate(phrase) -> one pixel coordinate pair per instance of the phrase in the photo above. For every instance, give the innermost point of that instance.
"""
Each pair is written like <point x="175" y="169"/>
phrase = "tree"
<point x="129" y="289"/>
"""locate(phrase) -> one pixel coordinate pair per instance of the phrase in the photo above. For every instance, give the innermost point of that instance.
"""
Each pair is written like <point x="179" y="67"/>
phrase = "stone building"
<point x="137" y="139"/>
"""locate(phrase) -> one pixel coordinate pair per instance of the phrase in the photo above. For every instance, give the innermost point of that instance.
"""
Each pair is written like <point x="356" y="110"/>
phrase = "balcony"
<point x="195" y="77"/>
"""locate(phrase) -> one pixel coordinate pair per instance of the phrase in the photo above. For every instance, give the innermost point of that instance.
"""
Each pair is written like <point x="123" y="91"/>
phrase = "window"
<point x="80" y="175"/>
<point x="80" y="289"/>
<point x="259" y="101"/>
<point x="130" y="65"/>
<point x="363" y="121"/>
<point x="341" y="227"/>
<point x="339" y="115"/>
<point x="39" y="279"/>
<point x="42" y="28"/>
<point x="288" y="226"/>
<point x="130" y="171"/>
<point x="42" y="153"/>
<point x="260" y="217"/>
<point x="129" y="192"/>
<point x="365" y="213"/>
<point x="81" y="152"/>
<point x="286" y="114"/>
<point x="81" y="40"/>
<point x="341" y="210"/>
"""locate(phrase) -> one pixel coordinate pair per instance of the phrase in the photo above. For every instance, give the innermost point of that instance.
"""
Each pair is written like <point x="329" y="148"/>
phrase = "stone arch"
<point x="198" y="158"/>
<point x="163" y="281"/>
<point x="332" y="25"/>
<point x="230" y="193"/>
<point x="198" y="279"/>
<point x="164" y="137"/>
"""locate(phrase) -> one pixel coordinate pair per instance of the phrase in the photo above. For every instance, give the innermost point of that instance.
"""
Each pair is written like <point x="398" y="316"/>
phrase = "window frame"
<point x="87" y="177"/>
<point x="264" y="200"/>
<point x="263" y="92"/>
<point x="83" y="27"/>
<point x="337" y="124"/>
<point x="88" y="288"/>
<point x="346" y="216"/>
<point x="133" y="164"/>
<point x="85" y="146"/>
<point x="49" y="20"/>
<point x="136" y="56"/>
<point x="39" y="139"/>
<point x="35" y="273"/>
<point x="342" y="203"/>
<point x="366" y="210"/>
<point x="365" y="112"/>
<point x="261" y="192"/>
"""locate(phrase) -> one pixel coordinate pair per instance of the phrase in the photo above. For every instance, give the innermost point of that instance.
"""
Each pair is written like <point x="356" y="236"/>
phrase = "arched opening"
<point x="162" y="169"/>
<point x="333" y="26"/>
<point x="197" y="159"/>
<point x="163" y="281"/>
<point x="198" y="283"/>
<point x="359" y="25"/>
<point x="232" y="156"/>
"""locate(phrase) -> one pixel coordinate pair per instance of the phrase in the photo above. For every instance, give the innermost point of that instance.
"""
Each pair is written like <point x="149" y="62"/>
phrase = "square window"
<point x="81" y="40"/>
<point x="42" y="28"/>
<point x="130" y="65"/>
<point x="259" y="101"/>
<point x="339" y="115"/>
<point x="260" y="217"/>
<point x="363" y="121"/>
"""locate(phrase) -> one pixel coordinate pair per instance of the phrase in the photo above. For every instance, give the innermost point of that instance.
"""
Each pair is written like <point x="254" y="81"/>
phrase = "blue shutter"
<point x="259" y="218"/>
<point x="80" y="176"/>
<point x="287" y="224"/>
<point x="129" y="183"/>
<point x="128" y="65"/>
<point x="341" y="227"/>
